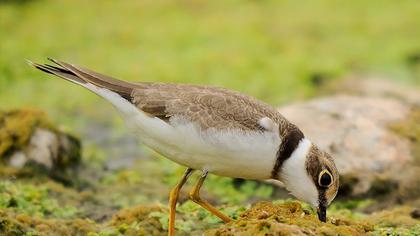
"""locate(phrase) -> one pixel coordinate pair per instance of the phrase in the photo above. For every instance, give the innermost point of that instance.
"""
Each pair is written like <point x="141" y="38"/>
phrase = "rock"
<point x="43" y="148"/>
<point x="353" y="129"/>
<point x="356" y="128"/>
<point x="27" y="139"/>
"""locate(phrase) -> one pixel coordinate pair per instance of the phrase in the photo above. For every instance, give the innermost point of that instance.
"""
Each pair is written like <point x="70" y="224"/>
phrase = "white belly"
<point x="231" y="153"/>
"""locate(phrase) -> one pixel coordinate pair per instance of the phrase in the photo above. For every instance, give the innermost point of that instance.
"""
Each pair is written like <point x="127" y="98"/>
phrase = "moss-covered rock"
<point x="17" y="126"/>
<point x="28" y="139"/>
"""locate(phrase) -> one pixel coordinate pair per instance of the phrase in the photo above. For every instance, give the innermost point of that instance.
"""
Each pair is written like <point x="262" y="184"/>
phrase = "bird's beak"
<point x="322" y="213"/>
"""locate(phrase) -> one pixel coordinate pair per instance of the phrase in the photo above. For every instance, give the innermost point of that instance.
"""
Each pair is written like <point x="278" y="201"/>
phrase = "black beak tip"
<point x="322" y="214"/>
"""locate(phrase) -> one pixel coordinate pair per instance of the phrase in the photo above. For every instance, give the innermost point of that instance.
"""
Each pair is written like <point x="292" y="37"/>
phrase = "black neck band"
<point x="288" y="144"/>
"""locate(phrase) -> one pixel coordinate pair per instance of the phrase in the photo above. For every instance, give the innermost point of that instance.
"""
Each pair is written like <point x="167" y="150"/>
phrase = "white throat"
<point x="295" y="176"/>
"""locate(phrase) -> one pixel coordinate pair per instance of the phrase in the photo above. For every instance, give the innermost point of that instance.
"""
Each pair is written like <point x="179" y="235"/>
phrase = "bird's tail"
<point x="83" y="76"/>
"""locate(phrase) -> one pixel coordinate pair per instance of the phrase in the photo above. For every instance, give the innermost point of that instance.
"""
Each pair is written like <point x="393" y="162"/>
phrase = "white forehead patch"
<point x="295" y="176"/>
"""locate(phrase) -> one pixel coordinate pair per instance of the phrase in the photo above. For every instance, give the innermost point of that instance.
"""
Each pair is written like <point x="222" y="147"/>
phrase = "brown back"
<point x="210" y="107"/>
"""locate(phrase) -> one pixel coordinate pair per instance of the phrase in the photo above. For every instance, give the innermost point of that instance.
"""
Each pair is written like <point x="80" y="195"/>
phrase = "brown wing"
<point x="209" y="107"/>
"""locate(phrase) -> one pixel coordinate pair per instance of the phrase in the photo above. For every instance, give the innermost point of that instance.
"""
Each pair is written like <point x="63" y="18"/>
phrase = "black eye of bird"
<point x="325" y="178"/>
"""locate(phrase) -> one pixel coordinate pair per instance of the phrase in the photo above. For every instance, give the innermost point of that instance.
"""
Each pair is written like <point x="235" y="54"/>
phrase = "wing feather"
<point x="209" y="107"/>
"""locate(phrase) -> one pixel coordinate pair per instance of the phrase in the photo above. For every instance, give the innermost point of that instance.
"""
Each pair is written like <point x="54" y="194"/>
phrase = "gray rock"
<point x="52" y="150"/>
<point x="43" y="148"/>
<point x="355" y="129"/>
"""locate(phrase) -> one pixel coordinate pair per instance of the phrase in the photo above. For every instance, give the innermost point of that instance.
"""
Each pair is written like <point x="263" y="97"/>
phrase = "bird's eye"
<point x="325" y="178"/>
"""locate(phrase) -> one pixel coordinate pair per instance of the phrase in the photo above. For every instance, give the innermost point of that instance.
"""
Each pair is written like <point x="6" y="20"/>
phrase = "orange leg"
<point x="173" y="198"/>
<point x="195" y="197"/>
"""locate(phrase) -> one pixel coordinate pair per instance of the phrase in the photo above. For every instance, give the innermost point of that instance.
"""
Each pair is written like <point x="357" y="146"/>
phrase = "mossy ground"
<point x="264" y="218"/>
<point x="132" y="201"/>
<point x="289" y="218"/>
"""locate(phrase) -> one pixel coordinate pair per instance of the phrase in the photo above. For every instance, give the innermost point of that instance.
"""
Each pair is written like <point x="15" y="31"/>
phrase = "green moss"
<point x="278" y="219"/>
<point x="397" y="217"/>
<point x="17" y="126"/>
<point x="265" y="218"/>
<point x="153" y="220"/>
<point x="397" y="221"/>
<point x="20" y="224"/>
<point x="135" y="221"/>
<point x="10" y="226"/>
<point x="32" y="200"/>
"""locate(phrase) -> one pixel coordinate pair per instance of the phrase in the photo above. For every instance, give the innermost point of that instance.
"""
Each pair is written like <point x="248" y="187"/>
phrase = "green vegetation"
<point x="32" y="200"/>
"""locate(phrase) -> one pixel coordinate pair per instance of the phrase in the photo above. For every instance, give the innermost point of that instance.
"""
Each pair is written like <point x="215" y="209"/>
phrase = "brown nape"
<point x="316" y="162"/>
<point x="291" y="136"/>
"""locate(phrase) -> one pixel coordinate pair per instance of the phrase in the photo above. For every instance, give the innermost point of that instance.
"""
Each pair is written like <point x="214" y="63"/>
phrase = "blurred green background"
<point x="277" y="51"/>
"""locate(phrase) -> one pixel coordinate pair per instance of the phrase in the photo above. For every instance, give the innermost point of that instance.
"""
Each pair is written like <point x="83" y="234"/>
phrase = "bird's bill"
<point x="322" y="213"/>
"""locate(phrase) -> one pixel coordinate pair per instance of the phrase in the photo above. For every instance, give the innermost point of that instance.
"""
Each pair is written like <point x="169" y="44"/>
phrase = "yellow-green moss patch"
<point x="17" y="126"/>
<point x="289" y="218"/>
<point x="397" y="217"/>
<point x="19" y="224"/>
<point x="140" y="220"/>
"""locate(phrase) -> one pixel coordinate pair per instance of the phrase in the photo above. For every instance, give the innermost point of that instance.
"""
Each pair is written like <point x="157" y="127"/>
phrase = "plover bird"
<point x="214" y="130"/>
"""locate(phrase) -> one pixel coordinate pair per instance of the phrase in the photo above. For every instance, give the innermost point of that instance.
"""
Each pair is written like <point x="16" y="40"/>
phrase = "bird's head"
<point x="311" y="176"/>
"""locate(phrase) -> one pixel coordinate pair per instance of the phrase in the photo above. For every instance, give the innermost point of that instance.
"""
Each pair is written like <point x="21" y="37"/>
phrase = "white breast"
<point x="232" y="153"/>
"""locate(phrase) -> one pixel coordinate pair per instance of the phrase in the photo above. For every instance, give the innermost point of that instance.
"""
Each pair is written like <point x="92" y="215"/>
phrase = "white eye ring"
<point x="320" y="180"/>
